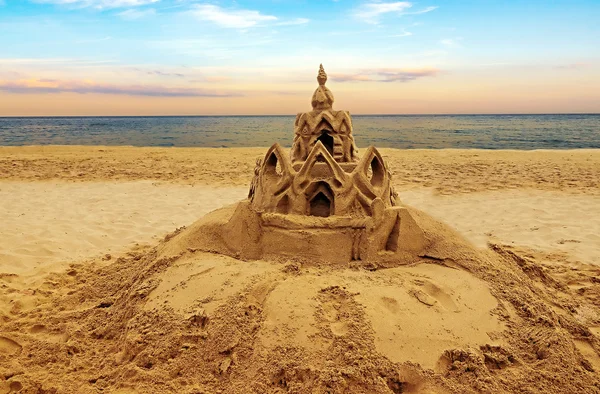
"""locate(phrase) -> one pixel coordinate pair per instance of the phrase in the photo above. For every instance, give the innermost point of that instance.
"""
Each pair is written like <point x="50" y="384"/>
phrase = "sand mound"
<point x="239" y="231"/>
<point x="188" y="317"/>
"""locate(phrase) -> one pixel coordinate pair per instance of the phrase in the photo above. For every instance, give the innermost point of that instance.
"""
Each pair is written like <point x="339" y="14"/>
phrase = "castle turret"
<point x="324" y="176"/>
<point x="332" y="128"/>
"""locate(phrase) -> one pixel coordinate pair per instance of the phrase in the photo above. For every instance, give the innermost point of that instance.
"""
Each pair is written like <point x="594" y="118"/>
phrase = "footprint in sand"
<point x="431" y="294"/>
<point x="336" y="310"/>
<point x="338" y="327"/>
<point x="10" y="347"/>
<point x="390" y="304"/>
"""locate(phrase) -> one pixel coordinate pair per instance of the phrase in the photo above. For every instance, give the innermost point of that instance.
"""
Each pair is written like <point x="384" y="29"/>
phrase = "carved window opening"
<point x="376" y="172"/>
<point x="273" y="167"/>
<point x="321" y="200"/>
<point x="320" y="205"/>
<point x="327" y="141"/>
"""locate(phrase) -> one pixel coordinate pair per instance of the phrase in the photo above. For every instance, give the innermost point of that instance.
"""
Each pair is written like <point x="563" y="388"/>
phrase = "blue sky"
<point x="164" y="53"/>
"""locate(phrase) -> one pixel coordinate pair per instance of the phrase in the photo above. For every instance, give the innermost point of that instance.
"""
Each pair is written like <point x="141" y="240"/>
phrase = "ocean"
<point x="394" y="131"/>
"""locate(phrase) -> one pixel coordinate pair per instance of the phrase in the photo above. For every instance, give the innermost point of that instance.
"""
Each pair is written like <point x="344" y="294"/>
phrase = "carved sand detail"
<point x="324" y="176"/>
<point x="321" y="203"/>
<point x="332" y="128"/>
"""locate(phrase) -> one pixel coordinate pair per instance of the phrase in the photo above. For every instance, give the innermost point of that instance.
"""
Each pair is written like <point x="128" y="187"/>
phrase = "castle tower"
<point x="324" y="176"/>
<point x="332" y="128"/>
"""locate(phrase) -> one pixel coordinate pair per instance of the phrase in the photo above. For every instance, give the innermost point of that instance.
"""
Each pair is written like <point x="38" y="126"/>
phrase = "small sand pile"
<point x="457" y="320"/>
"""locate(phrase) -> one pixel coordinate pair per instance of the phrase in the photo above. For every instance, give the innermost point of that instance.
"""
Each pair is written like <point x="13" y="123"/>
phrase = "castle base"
<point x="392" y="235"/>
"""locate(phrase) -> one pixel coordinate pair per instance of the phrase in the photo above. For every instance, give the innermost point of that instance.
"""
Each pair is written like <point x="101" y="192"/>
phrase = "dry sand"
<point x="64" y="206"/>
<point x="447" y="171"/>
<point x="47" y="223"/>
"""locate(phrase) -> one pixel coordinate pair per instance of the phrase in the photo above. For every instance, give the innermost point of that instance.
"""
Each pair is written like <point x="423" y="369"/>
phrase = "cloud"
<point x="403" y="34"/>
<point x="163" y="73"/>
<point x="229" y="18"/>
<point x="10" y="74"/>
<point x="574" y="66"/>
<point x="449" y="42"/>
<point x="133" y="14"/>
<point x="87" y="87"/>
<point x="217" y="78"/>
<point x="371" y="12"/>
<point x="99" y="4"/>
<point x="297" y="21"/>
<point x="54" y="61"/>
<point x="386" y="75"/>
<point x="351" y="77"/>
<point x="423" y="11"/>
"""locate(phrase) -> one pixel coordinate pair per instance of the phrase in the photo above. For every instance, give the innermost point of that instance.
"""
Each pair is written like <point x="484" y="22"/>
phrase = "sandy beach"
<point x="72" y="215"/>
<point x="341" y="197"/>
<point x="68" y="203"/>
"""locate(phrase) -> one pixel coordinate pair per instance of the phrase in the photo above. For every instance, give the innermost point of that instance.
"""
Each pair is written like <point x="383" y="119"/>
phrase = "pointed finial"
<point x="322" y="77"/>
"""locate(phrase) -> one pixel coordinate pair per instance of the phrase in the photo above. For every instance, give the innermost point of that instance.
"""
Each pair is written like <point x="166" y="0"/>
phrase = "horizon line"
<point x="289" y="115"/>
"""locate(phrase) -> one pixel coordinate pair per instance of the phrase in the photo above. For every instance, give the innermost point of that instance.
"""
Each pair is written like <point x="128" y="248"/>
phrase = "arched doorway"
<point x="327" y="141"/>
<point x="320" y="199"/>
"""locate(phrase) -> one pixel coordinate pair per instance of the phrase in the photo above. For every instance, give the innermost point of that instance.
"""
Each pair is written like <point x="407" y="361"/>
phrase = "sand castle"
<point x="322" y="201"/>
<point x="323" y="176"/>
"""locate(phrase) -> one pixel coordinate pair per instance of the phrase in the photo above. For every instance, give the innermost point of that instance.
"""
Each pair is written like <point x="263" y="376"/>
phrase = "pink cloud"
<point x="574" y="66"/>
<point x="386" y="75"/>
<point x="85" y="87"/>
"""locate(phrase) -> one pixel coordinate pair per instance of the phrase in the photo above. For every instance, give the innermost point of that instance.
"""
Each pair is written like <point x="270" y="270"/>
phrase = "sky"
<point x="185" y="57"/>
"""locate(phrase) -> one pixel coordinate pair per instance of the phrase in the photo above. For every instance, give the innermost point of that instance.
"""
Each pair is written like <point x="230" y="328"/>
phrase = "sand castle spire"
<point x="322" y="76"/>
<point x="322" y="98"/>
<point x="332" y="128"/>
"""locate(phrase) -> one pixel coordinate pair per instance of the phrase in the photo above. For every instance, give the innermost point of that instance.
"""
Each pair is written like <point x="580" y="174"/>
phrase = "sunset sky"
<point x="184" y="57"/>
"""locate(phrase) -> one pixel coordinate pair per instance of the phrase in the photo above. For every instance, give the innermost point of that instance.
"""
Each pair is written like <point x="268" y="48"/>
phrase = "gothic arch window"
<point x="376" y="172"/>
<point x="273" y="168"/>
<point x="327" y="141"/>
<point x="320" y="199"/>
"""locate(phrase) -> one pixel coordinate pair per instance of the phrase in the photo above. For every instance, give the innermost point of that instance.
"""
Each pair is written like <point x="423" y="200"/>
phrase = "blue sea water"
<point x="395" y="131"/>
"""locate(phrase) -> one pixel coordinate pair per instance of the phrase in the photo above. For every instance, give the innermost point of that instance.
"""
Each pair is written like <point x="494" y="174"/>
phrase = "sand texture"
<point x="100" y="293"/>
<point x="446" y="171"/>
